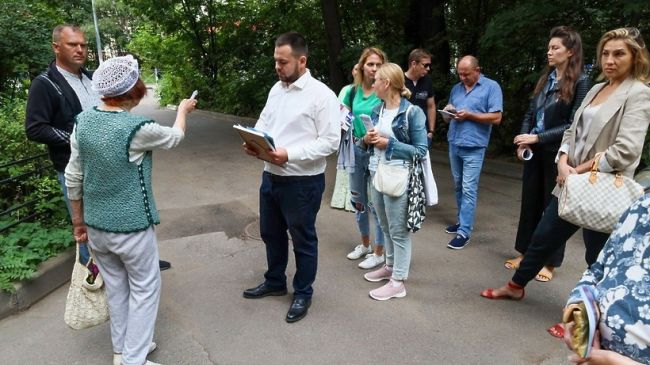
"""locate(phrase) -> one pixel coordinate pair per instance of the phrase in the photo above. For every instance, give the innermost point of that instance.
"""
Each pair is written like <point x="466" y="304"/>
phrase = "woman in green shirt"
<point x="361" y="99"/>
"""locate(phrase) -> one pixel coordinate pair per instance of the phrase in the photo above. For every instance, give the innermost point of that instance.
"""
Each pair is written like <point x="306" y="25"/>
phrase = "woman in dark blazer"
<point x="558" y="94"/>
<point x="612" y="120"/>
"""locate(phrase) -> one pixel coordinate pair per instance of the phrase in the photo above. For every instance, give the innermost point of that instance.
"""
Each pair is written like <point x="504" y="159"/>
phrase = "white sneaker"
<point x="372" y="260"/>
<point x="359" y="252"/>
<point x="117" y="358"/>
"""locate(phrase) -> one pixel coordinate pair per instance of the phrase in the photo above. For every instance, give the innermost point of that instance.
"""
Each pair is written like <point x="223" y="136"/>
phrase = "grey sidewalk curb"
<point x="51" y="274"/>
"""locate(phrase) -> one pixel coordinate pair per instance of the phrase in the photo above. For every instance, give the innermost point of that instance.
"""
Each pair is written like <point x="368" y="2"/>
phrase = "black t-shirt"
<point x="420" y="92"/>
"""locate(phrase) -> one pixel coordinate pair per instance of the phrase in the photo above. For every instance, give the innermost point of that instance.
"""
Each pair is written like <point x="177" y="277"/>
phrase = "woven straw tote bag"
<point x="86" y="305"/>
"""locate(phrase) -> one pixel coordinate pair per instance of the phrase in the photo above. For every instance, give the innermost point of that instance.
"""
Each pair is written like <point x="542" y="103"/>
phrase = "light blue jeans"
<point x="84" y="255"/>
<point x="359" y="181"/>
<point x="466" y="164"/>
<point x="392" y="217"/>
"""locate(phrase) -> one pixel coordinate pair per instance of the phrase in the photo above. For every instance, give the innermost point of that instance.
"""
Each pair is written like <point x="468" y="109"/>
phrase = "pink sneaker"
<point x="383" y="273"/>
<point x="392" y="289"/>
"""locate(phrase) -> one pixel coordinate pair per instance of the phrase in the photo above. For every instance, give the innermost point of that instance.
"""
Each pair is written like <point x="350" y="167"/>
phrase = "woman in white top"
<point x="399" y="137"/>
<point x="612" y="120"/>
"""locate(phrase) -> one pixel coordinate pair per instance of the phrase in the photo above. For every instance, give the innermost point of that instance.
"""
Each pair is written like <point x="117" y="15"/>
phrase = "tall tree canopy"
<point x="225" y="48"/>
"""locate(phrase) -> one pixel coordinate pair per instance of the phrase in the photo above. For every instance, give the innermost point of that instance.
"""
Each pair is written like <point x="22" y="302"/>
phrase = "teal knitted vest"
<point x="117" y="194"/>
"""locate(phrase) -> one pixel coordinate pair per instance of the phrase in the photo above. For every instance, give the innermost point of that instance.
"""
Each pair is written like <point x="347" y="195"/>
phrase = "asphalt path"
<point x="207" y="194"/>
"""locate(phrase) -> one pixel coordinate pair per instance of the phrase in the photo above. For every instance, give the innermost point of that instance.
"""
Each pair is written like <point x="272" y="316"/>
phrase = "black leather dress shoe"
<point x="164" y="265"/>
<point x="262" y="291"/>
<point x="298" y="309"/>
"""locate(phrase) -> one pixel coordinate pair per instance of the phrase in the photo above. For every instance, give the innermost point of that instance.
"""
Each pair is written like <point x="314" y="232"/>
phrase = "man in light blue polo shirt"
<point x="477" y="104"/>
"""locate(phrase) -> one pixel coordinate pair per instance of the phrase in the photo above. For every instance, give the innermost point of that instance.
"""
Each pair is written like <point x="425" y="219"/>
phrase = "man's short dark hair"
<point x="56" y="33"/>
<point x="417" y="54"/>
<point x="294" y="40"/>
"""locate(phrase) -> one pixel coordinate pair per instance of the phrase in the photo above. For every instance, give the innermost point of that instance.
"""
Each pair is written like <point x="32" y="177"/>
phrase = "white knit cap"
<point x="115" y="76"/>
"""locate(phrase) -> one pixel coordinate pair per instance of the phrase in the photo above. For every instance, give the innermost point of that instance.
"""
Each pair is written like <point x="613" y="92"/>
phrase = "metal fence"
<point x="15" y="187"/>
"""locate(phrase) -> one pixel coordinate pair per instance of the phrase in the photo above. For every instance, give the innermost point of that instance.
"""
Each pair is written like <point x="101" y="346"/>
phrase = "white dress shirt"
<point x="303" y="118"/>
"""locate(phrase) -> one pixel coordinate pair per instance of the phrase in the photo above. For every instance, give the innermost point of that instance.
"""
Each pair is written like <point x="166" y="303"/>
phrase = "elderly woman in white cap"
<point x="109" y="185"/>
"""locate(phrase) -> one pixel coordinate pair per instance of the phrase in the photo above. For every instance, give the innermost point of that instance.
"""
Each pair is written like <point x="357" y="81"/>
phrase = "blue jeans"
<point x="84" y="255"/>
<point x="359" y="180"/>
<point x="392" y="216"/>
<point x="291" y="203"/>
<point x="466" y="164"/>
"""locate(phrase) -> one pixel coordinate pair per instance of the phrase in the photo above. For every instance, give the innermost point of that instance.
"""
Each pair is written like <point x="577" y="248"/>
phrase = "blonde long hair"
<point x="359" y="78"/>
<point x="631" y="37"/>
<point x="395" y="76"/>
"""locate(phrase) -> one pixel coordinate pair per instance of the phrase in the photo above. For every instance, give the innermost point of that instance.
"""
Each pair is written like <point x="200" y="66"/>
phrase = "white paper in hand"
<point x="447" y="115"/>
<point x="367" y="121"/>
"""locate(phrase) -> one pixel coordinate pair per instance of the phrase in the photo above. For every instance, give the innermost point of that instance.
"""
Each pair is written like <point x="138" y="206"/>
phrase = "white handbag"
<point x="430" y="187"/>
<point x="596" y="200"/>
<point x="391" y="180"/>
<point x="86" y="305"/>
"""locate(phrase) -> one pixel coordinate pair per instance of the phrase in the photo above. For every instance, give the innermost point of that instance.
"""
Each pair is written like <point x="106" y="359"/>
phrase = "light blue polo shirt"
<point x="485" y="97"/>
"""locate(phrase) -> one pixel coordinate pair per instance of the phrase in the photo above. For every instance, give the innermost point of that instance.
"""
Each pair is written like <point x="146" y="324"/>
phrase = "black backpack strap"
<point x="353" y="92"/>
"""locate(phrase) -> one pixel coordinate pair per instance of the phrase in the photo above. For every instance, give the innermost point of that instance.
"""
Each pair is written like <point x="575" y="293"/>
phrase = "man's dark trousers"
<point x="291" y="203"/>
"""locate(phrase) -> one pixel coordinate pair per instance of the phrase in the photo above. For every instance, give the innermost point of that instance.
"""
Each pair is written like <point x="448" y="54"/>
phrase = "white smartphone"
<point x="194" y="94"/>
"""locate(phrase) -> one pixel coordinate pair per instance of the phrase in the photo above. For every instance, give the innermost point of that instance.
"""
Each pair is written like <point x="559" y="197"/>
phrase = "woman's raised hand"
<point x="187" y="105"/>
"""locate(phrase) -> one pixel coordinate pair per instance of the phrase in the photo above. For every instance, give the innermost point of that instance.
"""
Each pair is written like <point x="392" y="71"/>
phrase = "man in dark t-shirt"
<point x="419" y="82"/>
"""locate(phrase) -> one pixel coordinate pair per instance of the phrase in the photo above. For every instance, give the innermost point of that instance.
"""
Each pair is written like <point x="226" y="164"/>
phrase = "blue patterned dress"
<point x="621" y="276"/>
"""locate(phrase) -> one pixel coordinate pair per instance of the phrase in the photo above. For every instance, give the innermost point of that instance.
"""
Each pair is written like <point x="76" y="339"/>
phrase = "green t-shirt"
<point x="362" y="105"/>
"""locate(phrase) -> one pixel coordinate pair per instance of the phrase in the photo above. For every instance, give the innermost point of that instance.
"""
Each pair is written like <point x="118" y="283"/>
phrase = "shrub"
<point x="27" y="244"/>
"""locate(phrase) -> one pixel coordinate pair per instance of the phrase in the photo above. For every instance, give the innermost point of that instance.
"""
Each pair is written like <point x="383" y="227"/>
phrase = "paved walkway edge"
<point x="51" y="274"/>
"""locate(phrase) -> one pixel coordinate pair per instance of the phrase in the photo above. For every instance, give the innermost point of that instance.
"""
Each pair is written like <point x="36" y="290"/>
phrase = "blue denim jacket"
<point x="410" y="141"/>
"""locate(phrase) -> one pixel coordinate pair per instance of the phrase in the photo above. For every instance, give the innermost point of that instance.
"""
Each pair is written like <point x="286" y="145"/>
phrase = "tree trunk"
<point x="334" y="43"/>
<point x="425" y="27"/>
<point x="417" y="28"/>
<point x="439" y="42"/>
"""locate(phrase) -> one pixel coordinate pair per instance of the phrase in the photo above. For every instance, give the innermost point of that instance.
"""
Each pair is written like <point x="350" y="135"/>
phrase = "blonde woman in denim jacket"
<point x="399" y="136"/>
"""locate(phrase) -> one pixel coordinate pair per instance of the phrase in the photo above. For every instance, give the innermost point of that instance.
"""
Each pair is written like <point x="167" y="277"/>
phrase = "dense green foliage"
<point x="26" y="245"/>
<point x="224" y="48"/>
<point x="42" y="184"/>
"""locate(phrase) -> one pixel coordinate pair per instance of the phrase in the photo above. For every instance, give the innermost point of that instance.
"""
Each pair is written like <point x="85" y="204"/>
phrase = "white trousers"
<point x="129" y="266"/>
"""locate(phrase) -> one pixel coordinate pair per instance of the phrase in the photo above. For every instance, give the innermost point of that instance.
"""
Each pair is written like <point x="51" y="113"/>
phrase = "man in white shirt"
<point x="301" y="115"/>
